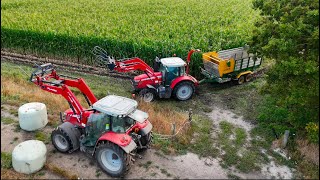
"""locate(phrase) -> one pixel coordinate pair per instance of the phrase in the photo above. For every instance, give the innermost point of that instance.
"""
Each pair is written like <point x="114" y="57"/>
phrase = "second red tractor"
<point x="170" y="79"/>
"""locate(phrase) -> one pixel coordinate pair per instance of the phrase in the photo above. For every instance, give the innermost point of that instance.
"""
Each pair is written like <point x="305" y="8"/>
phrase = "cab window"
<point x="121" y="124"/>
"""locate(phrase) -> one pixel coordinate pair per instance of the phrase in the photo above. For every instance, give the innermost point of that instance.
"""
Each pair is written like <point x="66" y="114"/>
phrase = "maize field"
<point x="143" y="28"/>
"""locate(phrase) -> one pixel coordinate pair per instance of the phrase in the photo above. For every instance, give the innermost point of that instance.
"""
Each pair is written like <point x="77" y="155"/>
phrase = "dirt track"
<point x="152" y="165"/>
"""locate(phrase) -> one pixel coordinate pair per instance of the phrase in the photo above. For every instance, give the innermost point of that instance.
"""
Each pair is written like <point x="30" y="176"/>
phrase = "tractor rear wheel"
<point x="184" y="90"/>
<point x="112" y="159"/>
<point x="147" y="94"/>
<point x="60" y="140"/>
<point x="241" y="80"/>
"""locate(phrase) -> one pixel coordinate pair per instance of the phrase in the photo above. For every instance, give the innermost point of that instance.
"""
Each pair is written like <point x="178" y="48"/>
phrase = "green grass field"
<point x="126" y="28"/>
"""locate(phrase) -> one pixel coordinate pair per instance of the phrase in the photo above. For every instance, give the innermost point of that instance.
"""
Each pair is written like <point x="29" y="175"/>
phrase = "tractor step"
<point x="89" y="150"/>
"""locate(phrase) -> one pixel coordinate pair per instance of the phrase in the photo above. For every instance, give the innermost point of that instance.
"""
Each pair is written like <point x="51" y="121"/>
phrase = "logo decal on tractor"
<point x="53" y="90"/>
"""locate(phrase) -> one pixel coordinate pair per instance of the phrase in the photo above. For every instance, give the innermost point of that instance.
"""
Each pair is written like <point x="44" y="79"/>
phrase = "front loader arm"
<point x="61" y="84"/>
<point x="123" y="65"/>
<point x="67" y="94"/>
<point x="133" y="64"/>
<point x="83" y="87"/>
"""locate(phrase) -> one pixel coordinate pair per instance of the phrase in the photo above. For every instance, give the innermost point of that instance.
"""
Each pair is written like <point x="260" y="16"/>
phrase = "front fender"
<point x="184" y="78"/>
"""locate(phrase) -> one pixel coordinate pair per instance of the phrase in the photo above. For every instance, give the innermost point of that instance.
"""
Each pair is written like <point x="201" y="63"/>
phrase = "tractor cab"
<point x="113" y="113"/>
<point x="171" y="68"/>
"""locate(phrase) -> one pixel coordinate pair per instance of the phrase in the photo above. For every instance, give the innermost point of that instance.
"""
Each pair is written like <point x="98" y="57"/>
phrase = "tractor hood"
<point x="115" y="105"/>
<point x="139" y="116"/>
<point x="146" y="77"/>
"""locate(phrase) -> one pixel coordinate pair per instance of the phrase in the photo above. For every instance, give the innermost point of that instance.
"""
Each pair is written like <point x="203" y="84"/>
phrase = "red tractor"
<point x="172" y="79"/>
<point x="112" y="128"/>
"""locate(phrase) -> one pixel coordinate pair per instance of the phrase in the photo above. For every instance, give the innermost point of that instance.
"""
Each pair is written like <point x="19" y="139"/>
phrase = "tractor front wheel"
<point x="147" y="94"/>
<point x="184" y="90"/>
<point x="112" y="159"/>
<point x="60" y="140"/>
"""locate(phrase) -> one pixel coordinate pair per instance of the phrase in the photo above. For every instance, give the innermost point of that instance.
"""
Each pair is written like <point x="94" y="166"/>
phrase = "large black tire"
<point x="148" y="95"/>
<point x="61" y="141"/>
<point x="184" y="90"/>
<point x="112" y="159"/>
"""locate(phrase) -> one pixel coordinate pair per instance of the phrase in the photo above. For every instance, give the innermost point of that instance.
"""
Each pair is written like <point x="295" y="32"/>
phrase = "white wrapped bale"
<point x="32" y="116"/>
<point x="29" y="156"/>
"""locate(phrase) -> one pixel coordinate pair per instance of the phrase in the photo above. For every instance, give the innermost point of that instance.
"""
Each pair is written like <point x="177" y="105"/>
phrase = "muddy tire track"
<point x="62" y="65"/>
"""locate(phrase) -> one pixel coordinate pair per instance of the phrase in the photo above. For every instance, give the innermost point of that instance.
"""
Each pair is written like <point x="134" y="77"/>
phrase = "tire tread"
<point x="126" y="157"/>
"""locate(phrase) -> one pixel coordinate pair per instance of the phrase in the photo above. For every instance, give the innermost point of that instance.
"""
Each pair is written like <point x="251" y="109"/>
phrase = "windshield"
<point x="98" y="123"/>
<point x="162" y="68"/>
<point x="121" y="124"/>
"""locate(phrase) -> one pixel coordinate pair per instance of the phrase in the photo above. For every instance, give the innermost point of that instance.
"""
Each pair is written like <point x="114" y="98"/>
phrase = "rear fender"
<point x="122" y="140"/>
<point x="244" y="73"/>
<point x="184" y="78"/>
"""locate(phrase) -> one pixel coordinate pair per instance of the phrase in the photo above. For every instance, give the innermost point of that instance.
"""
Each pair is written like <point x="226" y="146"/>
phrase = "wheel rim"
<point x="111" y="160"/>
<point x="241" y="80"/>
<point x="61" y="142"/>
<point x="184" y="92"/>
<point x="148" y="97"/>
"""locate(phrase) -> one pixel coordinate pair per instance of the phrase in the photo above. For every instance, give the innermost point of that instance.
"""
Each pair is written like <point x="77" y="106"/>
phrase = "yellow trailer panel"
<point x="223" y="66"/>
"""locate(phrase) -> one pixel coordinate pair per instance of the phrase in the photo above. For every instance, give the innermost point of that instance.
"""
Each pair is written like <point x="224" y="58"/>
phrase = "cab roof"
<point x="173" y="62"/>
<point x="115" y="105"/>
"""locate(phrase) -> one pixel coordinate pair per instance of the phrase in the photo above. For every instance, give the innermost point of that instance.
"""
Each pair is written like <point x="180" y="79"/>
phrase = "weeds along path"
<point x="239" y="153"/>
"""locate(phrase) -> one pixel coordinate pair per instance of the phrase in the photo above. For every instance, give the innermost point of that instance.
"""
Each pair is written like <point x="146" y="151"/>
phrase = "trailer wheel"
<point x="112" y="159"/>
<point x="248" y="77"/>
<point x="60" y="140"/>
<point x="241" y="80"/>
<point x="184" y="90"/>
<point x="147" y="94"/>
